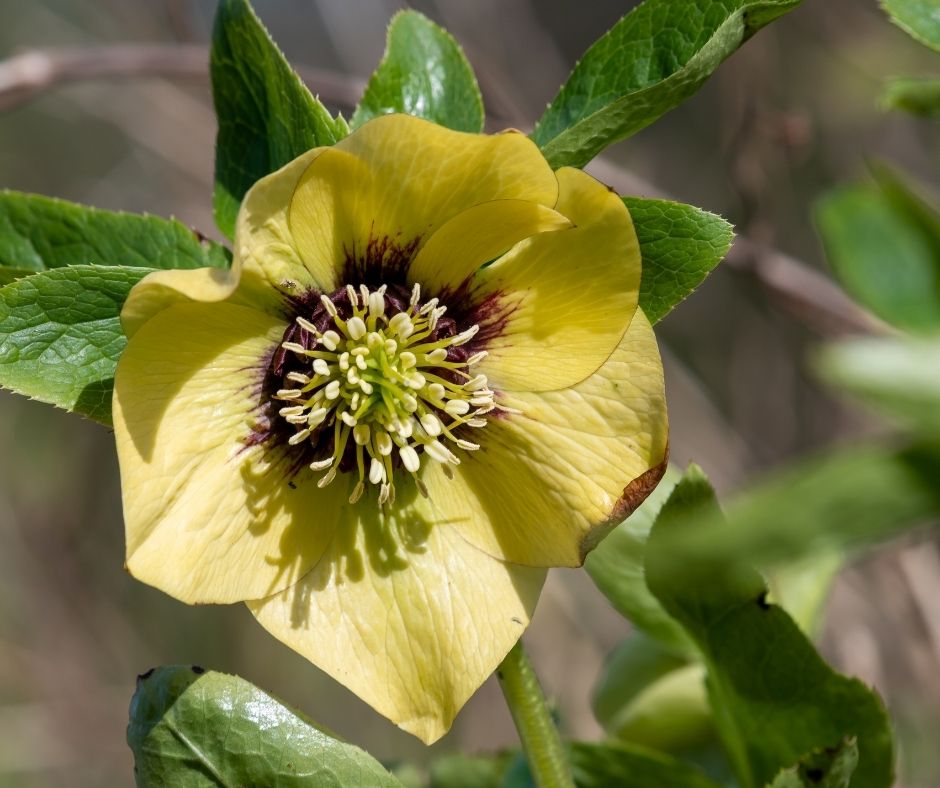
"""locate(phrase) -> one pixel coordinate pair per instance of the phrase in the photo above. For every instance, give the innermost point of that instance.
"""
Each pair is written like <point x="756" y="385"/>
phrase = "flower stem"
<point x="540" y="741"/>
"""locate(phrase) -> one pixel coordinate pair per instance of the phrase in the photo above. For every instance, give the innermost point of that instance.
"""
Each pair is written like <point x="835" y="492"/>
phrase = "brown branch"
<point x="26" y="75"/>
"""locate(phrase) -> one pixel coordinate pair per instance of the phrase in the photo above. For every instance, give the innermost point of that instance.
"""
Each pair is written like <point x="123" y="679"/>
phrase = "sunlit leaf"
<point x="266" y="115"/>
<point x="190" y="728"/>
<point x="423" y="73"/>
<point x="651" y="61"/>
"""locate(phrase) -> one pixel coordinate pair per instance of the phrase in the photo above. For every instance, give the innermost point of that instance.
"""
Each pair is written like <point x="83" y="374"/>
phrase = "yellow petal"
<point x="547" y="484"/>
<point x="379" y="193"/>
<point x="555" y="307"/>
<point x="405" y="613"/>
<point x="476" y="236"/>
<point x="208" y="516"/>
<point x="163" y="289"/>
<point x="274" y="268"/>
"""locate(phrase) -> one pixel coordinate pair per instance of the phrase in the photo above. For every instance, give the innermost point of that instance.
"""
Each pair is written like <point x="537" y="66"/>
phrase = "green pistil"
<point x="393" y="404"/>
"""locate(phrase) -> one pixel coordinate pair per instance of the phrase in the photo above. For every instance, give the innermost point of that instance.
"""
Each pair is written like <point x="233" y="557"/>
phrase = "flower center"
<point x="375" y="381"/>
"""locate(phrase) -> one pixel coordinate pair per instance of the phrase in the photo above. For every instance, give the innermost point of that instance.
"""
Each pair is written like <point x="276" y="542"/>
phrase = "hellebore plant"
<point x="424" y="374"/>
<point x="424" y="380"/>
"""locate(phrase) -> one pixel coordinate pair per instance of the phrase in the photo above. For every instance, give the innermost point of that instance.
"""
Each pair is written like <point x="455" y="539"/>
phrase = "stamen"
<point x="409" y="458"/>
<point x="328" y="305"/>
<point x="306" y="325"/>
<point x="356" y="328"/>
<point x="388" y="387"/>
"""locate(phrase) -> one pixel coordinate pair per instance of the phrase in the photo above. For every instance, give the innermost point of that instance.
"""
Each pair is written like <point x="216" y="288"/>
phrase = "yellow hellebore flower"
<point x="373" y="434"/>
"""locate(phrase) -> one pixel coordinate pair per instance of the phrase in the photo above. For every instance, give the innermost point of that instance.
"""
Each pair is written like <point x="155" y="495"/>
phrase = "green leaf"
<point x="822" y="769"/>
<point x="827" y="504"/>
<point x="899" y="376"/>
<point x="883" y="242"/>
<point x="423" y="73"/>
<point x="680" y="245"/>
<point x="774" y="698"/>
<point x="61" y="337"/>
<point x="267" y="117"/>
<point x="918" y="18"/>
<point x="38" y="233"/>
<point x="651" y="61"/>
<point x="616" y="567"/>
<point x="649" y="696"/>
<point x="190" y="728"/>
<point x="632" y="766"/>
<point x="917" y="95"/>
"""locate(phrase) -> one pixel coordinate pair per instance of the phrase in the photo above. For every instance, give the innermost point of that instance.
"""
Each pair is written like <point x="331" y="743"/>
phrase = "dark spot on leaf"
<point x="762" y="602"/>
<point x="516" y="621"/>
<point x="815" y="775"/>
<point x="198" y="670"/>
<point x="292" y="485"/>
<point x="145" y="676"/>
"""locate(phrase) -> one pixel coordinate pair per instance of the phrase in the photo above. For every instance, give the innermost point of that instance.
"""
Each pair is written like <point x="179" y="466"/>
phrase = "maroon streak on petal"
<point x="630" y="499"/>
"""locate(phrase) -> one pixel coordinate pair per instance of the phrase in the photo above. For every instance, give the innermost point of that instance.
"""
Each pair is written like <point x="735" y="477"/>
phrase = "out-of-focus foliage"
<point x="423" y="73"/>
<point x="883" y="241"/>
<point x="774" y="699"/>
<point x="830" y="768"/>
<point x="917" y="95"/>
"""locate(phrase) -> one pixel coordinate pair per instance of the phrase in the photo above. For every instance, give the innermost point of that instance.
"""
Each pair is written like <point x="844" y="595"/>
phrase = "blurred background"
<point x="794" y="113"/>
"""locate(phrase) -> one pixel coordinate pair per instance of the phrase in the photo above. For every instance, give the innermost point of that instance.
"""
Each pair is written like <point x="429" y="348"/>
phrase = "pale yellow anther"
<point x="377" y="304"/>
<point x="475" y="383"/>
<point x="306" y="325"/>
<point x="298" y="437"/>
<point x="383" y="442"/>
<point x="348" y="419"/>
<point x="330" y="339"/>
<point x="361" y="434"/>
<point x="294" y="347"/>
<point x="431" y="425"/>
<point x="321" y="367"/>
<point x="332" y="389"/>
<point x="409" y="458"/>
<point x="320" y="465"/>
<point x="328" y="305"/>
<point x="407" y="360"/>
<point x="436" y="356"/>
<point x="376" y="471"/>
<point x="457" y="407"/>
<point x="356" y="327"/>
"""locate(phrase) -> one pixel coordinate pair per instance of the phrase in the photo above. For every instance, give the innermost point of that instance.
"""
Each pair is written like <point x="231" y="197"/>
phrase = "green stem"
<point x="540" y="741"/>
